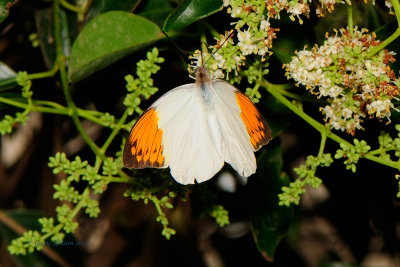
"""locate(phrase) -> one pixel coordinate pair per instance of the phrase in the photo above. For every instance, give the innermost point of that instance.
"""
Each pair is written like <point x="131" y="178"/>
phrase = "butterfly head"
<point x="202" y="75"/>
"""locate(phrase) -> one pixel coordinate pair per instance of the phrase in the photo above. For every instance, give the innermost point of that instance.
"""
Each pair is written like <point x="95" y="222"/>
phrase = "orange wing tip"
<point x="256" y="125"/>
<point x="144" y="147"/>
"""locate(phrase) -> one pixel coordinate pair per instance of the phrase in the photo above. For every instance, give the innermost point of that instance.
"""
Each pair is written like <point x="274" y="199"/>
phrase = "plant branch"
<point x="64" y="82"/>
<point x="271" y="88"/>
<point x="33" y="107"/>
<point x="52" y="108"/>
<point x="19" y="229"/>
<point x="115" y="131"/>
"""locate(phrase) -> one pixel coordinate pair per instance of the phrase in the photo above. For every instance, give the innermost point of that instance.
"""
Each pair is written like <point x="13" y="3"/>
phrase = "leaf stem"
<point x="212" y="30"/>
<point x="322" y="144"/>
<point x="350" y="19"/>
<point x="40" y="75"/>
<point x="126" y="179"/>
<point x="380" y="151"/>
<point x="396" y="7"/>
<point x="72" y="8"/>
<point x="79" y="205"/>
<point x="390" y="163"/>
<point x="45" y="74"/>
<point x="385" y="43"/>
<point x="394" y="36"/>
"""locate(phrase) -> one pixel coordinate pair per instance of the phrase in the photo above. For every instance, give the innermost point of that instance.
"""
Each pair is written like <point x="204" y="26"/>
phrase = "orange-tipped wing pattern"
<point x="144" y="147"/>
<point x="257" y="127"/>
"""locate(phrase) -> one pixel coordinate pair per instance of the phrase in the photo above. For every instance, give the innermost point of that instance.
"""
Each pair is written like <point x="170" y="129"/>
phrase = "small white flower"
<point x="328" y="111"/>
<point x="218" y="74"/>
<point x="220" y="60"/>
<point x="296" y="9"/>
<point x="388" y="4"/>
<point x="380" y="108"/>
<point x="347" y="113"/>
<point x="238" y="59"/>
<point x="226" y="2"/>
<point x="245" y="43"/>
<point x="264" y="25"/>
<point x="236" y="12"/>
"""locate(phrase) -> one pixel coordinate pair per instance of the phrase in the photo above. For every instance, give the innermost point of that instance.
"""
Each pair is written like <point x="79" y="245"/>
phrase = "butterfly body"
<point x="195" y="128"/>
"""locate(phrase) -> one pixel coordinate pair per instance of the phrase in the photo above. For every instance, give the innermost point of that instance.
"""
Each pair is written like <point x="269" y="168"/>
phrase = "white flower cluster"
<point x="327" y="5"/>
<point x="294" y="8"/>
<point x="217" y="62"/>
<point x="254" y="37"/>
<point x="355" y="84"/>
<point x="246" y="44"/>
<point x="257" y="37"/>
<point x="342" y="115"/>
<point x="249" y="43"/>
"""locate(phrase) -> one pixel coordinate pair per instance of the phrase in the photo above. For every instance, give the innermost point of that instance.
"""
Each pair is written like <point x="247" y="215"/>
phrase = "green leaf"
<point x="101" y="6"/>
<point x="107" y="38"/>
<point x="4" y="8"/>
<point x="157" y="11"/>
<point x="190" y="11"/>
<point x="7" y="77"/>
<point x="268" y="221"/>
<point x="45" y="35"/>
<point x="44" y="17"/>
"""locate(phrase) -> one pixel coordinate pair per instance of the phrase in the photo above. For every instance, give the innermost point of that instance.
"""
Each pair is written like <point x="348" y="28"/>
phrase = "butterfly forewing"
<point x="144" y="146"/>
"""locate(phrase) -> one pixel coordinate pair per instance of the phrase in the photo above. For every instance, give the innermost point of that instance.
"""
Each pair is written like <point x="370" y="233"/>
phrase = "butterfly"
<point x="194" y="128"/>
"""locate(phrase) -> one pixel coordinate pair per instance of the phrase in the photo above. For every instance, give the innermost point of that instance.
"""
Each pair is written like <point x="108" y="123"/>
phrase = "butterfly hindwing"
<point x="144" y="146"/>
<point x="242" y="127"/>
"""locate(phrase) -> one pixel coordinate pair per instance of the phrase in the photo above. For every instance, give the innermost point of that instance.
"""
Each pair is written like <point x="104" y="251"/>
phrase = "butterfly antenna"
<point x="201" y="52"/>
<point x="219" y="47"/>
<point x="201" y="56"/>
<point x="175" y="44"/>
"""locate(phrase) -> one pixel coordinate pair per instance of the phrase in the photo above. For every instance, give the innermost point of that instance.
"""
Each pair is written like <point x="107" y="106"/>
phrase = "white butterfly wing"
<point x="189" y="148"/>
<point x="194" y="130"/>
<point x="244" y="129"/>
